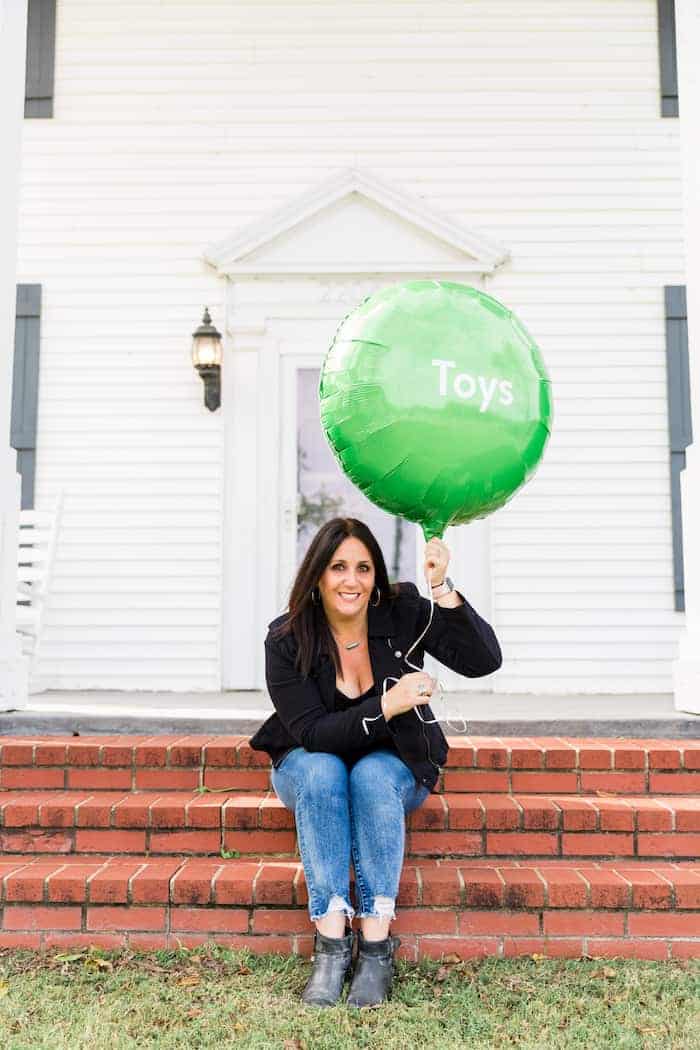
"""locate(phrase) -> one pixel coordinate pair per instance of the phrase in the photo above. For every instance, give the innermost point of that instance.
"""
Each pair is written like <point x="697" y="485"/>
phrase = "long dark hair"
<point x="307" y="620"/>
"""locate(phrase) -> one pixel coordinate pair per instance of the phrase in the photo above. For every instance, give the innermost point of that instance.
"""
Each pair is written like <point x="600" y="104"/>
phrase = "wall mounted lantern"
<point x="206" y="358"/>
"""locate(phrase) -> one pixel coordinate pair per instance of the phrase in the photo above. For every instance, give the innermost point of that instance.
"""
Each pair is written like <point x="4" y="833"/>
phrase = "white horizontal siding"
<point x="179" y="121"/>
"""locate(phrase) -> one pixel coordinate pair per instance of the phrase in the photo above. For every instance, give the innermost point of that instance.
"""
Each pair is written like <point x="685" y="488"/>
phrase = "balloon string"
<point x="440" y="686"/>
<point x="441" y="701"/>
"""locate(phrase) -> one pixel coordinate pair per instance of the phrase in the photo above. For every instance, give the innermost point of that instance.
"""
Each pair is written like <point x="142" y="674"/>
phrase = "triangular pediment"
<point x="355" y="223"/>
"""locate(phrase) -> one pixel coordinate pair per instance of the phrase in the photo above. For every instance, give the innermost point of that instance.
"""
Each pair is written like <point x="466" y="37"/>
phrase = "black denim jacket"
<point x="305" y="712"/>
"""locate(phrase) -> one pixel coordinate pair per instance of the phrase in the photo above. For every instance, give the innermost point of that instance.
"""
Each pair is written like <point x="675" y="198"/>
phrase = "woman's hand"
<point x="410" y="691"/>
<point x="437" y="558"/>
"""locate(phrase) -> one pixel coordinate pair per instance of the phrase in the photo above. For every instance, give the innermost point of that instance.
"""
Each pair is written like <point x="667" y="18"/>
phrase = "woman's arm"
<point x="298" y="703"/>
<point x="458" y="637"/>
<point x="450" y="601"/>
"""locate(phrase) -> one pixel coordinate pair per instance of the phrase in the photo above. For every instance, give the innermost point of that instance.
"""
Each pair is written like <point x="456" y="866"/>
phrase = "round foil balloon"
<point x="436" y="402"/>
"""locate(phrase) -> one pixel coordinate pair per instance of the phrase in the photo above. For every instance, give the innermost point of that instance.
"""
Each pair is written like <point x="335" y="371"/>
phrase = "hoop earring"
<point x="379" y="598"/>
<point x="315" y="595"/>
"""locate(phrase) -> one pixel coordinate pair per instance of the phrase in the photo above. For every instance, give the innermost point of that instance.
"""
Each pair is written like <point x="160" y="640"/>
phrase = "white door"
<point x="314" y="489"/>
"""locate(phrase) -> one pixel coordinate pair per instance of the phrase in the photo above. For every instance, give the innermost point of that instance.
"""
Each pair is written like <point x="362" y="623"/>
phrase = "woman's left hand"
<point x="437" y="558"/>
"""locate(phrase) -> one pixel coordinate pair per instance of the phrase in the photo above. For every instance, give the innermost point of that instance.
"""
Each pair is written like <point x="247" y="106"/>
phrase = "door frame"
<point x="259" y="509"/>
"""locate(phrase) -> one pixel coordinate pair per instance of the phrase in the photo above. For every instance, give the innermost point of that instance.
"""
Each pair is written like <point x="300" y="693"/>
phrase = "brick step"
<point x="451" y="824"/>
<point x="544" y="765"/>
<point x="477" y="908"/>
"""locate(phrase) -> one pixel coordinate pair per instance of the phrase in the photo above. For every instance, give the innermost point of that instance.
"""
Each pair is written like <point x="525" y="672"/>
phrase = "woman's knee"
<point x="378" y="774"/>
<point x="322" y="775"/>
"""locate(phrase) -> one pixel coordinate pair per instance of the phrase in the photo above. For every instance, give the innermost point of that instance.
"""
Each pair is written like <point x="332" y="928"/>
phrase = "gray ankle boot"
<point x="331" y="959"/>
<point x="374" y="972"/>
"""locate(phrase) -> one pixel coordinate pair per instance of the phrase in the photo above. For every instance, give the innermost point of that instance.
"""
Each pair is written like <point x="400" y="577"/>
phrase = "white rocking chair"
<point x="36" y="548"/>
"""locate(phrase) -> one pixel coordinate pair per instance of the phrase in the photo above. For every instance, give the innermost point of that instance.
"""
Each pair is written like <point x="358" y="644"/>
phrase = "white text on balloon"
<point x="465" y="385"/>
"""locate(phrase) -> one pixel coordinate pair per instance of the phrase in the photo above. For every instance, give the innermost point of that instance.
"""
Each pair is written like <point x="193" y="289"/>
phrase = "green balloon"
<point x="436" y="402"/>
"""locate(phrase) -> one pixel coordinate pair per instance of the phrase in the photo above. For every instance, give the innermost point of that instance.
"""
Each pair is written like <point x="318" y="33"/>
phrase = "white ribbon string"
<point x="440" y="687"/>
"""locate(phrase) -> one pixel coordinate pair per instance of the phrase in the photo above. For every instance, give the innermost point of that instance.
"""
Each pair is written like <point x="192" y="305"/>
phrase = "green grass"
<point x="216" y="998"/>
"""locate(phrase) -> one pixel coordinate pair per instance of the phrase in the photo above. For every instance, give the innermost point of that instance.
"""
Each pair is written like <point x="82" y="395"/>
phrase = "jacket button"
<point x="398" y="654"/>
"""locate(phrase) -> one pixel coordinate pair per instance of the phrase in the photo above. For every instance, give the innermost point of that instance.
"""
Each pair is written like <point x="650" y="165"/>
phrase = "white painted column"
<point x="250" y="496"/>
<point x="687" y="667"/>
<point x="13" y="42"/>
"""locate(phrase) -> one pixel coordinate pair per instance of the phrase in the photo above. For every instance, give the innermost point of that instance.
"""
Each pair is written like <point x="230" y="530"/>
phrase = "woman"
<point x="349" y="761"/>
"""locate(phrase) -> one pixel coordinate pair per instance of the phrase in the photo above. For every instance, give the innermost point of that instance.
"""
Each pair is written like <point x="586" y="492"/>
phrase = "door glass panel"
<point x="323" y="491"/>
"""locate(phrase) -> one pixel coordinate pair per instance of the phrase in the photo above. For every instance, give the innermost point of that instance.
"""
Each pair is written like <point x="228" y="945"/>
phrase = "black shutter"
<point x="667" y="58"/>
<point x="679" y="421"/>
<point x="41" y="48"/>
<point x="25" y="387"/>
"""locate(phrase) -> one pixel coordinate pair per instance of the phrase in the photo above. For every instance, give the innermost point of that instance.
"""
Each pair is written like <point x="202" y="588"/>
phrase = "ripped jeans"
<point x="341" y="814"/>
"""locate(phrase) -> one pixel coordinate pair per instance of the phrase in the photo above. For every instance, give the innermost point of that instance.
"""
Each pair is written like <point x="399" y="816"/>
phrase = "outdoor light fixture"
<point x="206" y="358"/>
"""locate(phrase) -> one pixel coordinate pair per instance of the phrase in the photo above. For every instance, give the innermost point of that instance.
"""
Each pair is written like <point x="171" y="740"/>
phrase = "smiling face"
<point x="348" y="580"/>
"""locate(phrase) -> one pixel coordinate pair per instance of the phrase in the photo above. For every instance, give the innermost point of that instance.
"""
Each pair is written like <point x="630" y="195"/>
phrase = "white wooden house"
<point x="277" y="161"/>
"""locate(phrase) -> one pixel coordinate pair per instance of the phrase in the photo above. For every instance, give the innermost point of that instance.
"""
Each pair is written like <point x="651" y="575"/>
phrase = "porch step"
<point x="542" y="765"/>
<point x="470" y="908"/>
<point x="451" y="824"/>
<point x="561" y="846"/>
<point x="231" y="712"/>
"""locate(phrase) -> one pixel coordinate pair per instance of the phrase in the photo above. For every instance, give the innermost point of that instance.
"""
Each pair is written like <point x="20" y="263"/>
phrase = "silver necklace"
<point x="348" y="645"/>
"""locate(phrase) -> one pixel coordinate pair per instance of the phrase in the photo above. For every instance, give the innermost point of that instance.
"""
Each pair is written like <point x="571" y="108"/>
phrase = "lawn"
<point x="72" y="1000"/>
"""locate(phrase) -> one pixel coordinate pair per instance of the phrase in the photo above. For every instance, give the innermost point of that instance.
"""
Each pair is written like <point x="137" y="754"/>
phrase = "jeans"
<point x="341" y="814"/>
